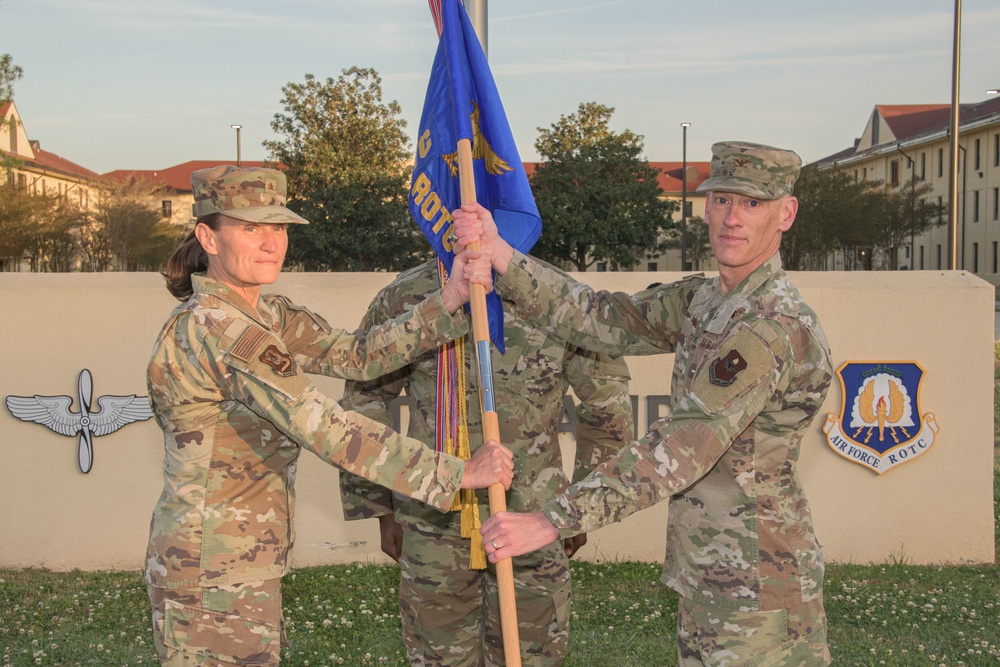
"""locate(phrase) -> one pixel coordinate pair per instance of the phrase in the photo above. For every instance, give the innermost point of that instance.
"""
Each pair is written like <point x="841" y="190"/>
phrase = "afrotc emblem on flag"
<point x="879" y="425"/>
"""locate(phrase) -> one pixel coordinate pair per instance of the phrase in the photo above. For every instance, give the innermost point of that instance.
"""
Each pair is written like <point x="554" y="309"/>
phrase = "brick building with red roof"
<point x="904" y="142"/>
<point x="39" y="170"/>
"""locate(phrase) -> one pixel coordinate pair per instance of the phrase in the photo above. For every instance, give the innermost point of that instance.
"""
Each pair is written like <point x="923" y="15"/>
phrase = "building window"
<point x="940" y="165"/>
<point x="975" y="258"/>
<point x="975" y="206"/>
<point x="864" y="174"/>
<point x="921" y="257"/>
<point x="939" y="255"/>
<point x="894" y="172"/>
<point x="994" y="257"/>
<point x="167" y="207"/>
<point x="996" y="203"/>
<point x="855" y="175"/>
<point x="651" y="266"/>
<point x="601" y="267"/>
<point x="996" y="150"/>
<point x="22" y="181"/>
<point x="923" y="166"/>
<point x="940" y="213"/>
<point x="975" y="153"/>
<point x="13" y="135"/>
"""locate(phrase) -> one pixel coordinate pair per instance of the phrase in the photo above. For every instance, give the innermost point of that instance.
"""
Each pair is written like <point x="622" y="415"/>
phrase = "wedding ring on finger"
<point x="494" y="545"/>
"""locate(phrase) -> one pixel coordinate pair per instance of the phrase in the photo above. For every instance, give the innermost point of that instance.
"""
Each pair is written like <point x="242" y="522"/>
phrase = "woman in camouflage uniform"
<point x="227" y="384"/>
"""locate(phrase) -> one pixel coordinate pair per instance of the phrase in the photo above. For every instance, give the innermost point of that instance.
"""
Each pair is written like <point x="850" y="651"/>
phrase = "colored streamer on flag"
<point x="462" y="102"/>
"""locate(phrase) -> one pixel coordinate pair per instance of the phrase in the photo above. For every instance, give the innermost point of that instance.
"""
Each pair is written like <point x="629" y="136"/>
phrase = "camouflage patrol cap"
<point x="252" y="194"/>
<point x="754" y="170"/>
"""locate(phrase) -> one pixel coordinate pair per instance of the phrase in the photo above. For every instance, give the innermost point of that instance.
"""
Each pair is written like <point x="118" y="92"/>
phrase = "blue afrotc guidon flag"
<point x="462" y="103"/>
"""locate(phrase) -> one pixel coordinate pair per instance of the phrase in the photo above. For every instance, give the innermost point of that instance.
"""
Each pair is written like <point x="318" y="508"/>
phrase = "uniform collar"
<point x="262" y="314"/>
<point x="726" y="304"/>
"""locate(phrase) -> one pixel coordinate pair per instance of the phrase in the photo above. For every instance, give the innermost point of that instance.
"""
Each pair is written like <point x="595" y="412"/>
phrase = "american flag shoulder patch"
<point x="249" y="343"/>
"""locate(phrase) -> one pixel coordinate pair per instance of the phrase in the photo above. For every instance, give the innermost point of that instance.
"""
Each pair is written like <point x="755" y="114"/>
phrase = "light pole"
<point x="684" y="194"/>
<point x="237" y="128"/>
<point x="956" y="51"/>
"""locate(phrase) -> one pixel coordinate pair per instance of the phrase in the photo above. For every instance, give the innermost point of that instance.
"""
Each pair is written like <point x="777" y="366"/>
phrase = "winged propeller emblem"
<point x="54" y="412"/>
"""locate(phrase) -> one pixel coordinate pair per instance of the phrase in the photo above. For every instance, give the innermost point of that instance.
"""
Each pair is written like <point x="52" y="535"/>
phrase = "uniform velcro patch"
<point x="724" y="370"/>
<point x="743" y="360"/>
<point x="280" y="362"/>
<point x="249" y="343"/>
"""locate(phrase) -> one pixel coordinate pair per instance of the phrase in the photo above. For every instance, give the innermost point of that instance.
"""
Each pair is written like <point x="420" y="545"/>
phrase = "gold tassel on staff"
<point x="465" y="500"/>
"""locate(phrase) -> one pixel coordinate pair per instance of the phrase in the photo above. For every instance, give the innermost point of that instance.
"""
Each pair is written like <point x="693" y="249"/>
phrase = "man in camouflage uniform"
<point x="451" y="614"/>
<point x="228" y="386"/>
<point x="752" y="370"/>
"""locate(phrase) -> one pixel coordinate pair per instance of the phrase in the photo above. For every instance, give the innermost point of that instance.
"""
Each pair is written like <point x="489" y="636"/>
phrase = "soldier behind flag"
<point x="449" y="605"/>
<point x="751" y="372"/>
<point x="228" y="386"/>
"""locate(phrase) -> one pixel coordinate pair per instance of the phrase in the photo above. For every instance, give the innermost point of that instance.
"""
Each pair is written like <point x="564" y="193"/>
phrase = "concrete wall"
<point x="936" y="509"/>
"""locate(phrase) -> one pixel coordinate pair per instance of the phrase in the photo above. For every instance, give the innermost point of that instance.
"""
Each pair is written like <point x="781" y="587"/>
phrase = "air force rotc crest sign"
<point x="880" y="424"/>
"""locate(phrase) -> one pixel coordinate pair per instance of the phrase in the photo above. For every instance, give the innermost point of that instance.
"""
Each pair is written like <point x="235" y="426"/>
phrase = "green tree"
<point x="699" y="244"/>
<point x="346" y="156"/>
<point x="905" y="213"/>
<point x="21" y="213"/>
<point x="835" y="214"/>
<point x="598" y="197"/>
<point x="55" y="239"/>
<point x="128" y="232"/>
<point x="9" y="73"/>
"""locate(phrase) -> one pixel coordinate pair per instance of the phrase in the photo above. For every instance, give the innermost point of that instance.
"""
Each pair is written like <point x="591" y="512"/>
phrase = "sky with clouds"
<point x="136" y="84"/>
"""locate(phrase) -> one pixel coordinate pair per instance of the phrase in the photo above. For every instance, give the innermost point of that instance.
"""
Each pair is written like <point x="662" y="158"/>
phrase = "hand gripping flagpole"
<point x="491" y="425"/>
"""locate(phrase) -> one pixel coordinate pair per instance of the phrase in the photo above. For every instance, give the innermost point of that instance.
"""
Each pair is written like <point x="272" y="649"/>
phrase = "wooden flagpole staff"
<point x="491" y="425"/>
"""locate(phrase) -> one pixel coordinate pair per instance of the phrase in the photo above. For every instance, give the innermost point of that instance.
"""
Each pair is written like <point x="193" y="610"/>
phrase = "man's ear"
<point x="789" y="207"/>
<point x="206" y="237"/>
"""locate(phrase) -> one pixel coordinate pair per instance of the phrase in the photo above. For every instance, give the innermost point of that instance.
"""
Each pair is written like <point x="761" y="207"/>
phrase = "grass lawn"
<point x="897" y="615"/>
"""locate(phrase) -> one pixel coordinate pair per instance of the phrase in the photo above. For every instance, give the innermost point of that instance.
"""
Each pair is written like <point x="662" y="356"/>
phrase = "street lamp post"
<point x="684" y="192"/>
<point x="237" y="128"/>
<point x="956" y="51"/>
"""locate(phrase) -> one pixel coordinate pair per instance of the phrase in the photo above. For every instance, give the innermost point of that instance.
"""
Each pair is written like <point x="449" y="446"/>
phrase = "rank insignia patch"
<point x="879" y="425"/>
<point x="281" y="362"/>
<point x="724" y="370"/>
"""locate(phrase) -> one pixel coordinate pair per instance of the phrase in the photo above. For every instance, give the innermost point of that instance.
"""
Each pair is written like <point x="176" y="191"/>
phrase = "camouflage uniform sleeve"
<point x="604" y="413"/>
<point x="261" y="374"/>
<point x="684" y="446"/>
<point x="368" y="352"/>
<point x="361" y="498"/>
<point x="611" y="322"/>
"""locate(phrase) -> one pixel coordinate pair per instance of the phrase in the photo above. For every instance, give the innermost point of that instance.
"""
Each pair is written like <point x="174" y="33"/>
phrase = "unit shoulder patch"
<point x="280" y="362"/>
<point x="724" y="370"/>
<point x="740" y="363"/>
